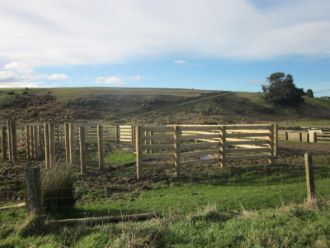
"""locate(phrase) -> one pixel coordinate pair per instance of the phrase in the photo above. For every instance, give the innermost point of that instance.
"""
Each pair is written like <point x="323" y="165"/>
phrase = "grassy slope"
<point x="159" y="105"/>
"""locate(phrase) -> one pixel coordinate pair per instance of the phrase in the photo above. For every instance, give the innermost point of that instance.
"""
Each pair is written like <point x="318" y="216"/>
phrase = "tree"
<point x="281" y="90"/>
<point x="309" y="93"/>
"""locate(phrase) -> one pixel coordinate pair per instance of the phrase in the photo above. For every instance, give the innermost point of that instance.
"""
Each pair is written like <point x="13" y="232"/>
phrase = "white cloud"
<point x="6" y="75"/>
<point x="111" y="80"/>
<point x="21" y="85"/>
<point x="18" y="67"/>
<point x="56" y="32"/>
<point x="179" y="61"/>
<point x="138" y="77"/>
<point x="16" y="74"/>
<point x="57" y="77"/>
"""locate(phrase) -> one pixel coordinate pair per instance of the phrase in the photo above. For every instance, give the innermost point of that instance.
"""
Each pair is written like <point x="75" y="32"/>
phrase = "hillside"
<point x="152" y="105"/>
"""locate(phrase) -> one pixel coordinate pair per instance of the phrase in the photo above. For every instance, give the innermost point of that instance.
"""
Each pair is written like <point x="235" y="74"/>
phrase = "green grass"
<point x="291" y="225"/>
<point x="252" y="206"/>
<point x="318" y="101"/>
<point x="120" y="157"/>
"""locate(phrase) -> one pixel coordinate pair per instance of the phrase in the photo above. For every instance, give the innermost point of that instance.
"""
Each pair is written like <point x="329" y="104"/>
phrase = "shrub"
<point x="309" y="93"/>
<point x="281" y="90"/>
<point x="57" y="189"/>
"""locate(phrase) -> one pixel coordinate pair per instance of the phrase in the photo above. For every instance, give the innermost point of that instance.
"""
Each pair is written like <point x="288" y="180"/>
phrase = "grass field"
<point x="241" y="206"/>
<point x="249" y="204"/>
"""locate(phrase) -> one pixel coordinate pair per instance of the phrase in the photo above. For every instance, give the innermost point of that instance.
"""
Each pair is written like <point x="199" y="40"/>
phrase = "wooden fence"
<point x="50" y="141"/>
<point x="201" y="144"/>
<point x="175" y="145"/>
<point x="309" y="135"/>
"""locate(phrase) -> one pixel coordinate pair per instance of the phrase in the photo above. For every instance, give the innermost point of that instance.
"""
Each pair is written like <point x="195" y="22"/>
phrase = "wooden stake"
<point x="132" y="135"/>
<point x="67" y="142"/>
<point x="117" y="134"/>
<point x="71" y="143"/>
<point x="33" y="190"/>
<point x="35" y="142"/>
<point x="100" y="146"/>
<point x="177" y="159"/>
<point x="13" y="141"/>
<point x="27" y="142"/>
<point x="275" y="140"/>
<point x="222" y="146"/>
<point x="271" y="145"/>
<point x="100" y="220"/>
<point x="138" y="150"/>
<point x="57" y="133"/>
<point x="311" y="195"/>
<point x="39" y="142"/>
<point x="4" y="142"/>
<point x="286" y="136"/>
<point x="82" y="149"/>
<point x="46" y="140"/>
<point x="10" y="155"/>
<point x="31" y="142"/>
<point x="51" y="145"/>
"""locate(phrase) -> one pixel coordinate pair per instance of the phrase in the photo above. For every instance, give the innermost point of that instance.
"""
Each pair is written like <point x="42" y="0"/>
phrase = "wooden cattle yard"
<point x="171" y="145"/>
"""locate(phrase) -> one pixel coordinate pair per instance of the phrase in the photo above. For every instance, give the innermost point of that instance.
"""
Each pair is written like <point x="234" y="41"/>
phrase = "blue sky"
<point x="201" y="44"/>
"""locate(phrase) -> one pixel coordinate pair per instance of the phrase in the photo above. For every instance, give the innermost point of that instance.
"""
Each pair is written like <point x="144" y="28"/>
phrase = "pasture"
<point x="205" y="204"/>
<point x="199" y="186"/>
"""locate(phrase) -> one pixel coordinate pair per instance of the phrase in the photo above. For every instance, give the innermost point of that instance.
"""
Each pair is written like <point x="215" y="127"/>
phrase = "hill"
<point x="152" y="105"/>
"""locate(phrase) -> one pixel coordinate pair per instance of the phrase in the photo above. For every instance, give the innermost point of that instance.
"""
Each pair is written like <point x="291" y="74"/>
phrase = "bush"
<point x="309" y="93"/>
<point x="57" y="189"/>
<point x="281" y="90"/>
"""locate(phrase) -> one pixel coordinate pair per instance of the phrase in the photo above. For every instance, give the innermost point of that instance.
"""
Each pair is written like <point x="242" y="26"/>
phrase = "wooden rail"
<point x="197" y="144"/>
<point x="310" y="135"/>
<point x="176" y="145"/>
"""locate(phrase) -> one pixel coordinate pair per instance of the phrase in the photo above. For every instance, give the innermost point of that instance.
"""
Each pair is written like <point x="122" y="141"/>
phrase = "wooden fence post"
<point x="57" y="134"/>
<point x="51" y="145"/>
<point x="39" y="143"/>
<point x="67" y="142"/>
<point x="31" y="142"/>
<point x="133" y="137"/>
<point x="275" y="140"/>
<point x="82" y="149"/>
<point x="10" y="151"/>
<point x="138" y="150"/>
<point x="271" y="145"/>
<point x="311" y="195"/>
<point x="300" y="137"/>
<point x="286" y="136"/>
<point x="222" y="146"/>
<point x="4" y="142"/>
<point x="33" y="190"/>
<point x="35" y="141"/>
<point x="117" y="134"/>
<point x="13" y="141"/>
<point x="46" y="140"/>
<point x="177" y="134"/>
<point x="100" y="146"/>
<point x="71" y="143"/>
<point x="27" y="141"/>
